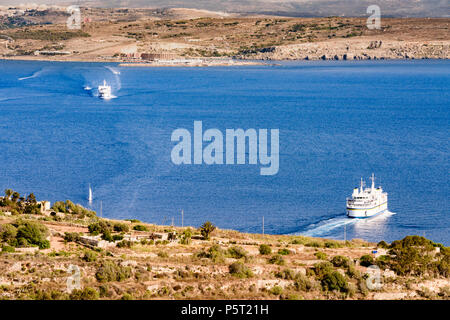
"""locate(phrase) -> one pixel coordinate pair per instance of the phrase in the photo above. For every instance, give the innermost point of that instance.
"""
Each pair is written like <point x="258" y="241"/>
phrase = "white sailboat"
<point x="90" y="194"/>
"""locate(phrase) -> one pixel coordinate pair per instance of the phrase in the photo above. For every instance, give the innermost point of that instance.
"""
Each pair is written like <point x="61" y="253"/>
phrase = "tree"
<point x="32" y="233"/>
<point x="8" y="193"/>
<point x="334" y="281"/>
<point x="15" y="196"/>
<point x="31" y="198"/>
<point x="8" y="233"/>
<point x="206" y="229"/>
<point x="100" y="227"/>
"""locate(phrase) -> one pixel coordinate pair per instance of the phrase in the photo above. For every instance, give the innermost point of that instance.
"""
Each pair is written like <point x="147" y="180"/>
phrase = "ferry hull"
<point x="362" y="213"/>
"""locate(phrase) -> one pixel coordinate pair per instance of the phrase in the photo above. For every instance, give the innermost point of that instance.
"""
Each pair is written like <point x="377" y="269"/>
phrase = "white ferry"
<point x="367" y="202"/>
<point x="104" y="91"/>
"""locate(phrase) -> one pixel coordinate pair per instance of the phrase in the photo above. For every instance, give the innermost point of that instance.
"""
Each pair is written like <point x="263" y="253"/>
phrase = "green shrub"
<point x="314" y="244"/>
<point x="117" y="237"/>
<point x="332" y="244"/>
<point x="264" y="249"/>
<point x="127" y="296"/>
<point x="100" y="227"/>
<point x="322" y="268"/>
<point x="276" y="290"/>
<point x="48" y="295"/>
<point x="49" y="35"/>
<point x="85" y="294"/>
<point x="352" y="272"/>
<point x="341" y="262"/>
<point x="69" y="207"/>
<point x="107" y="236"/>
<point x="277" y="259"/>
<point x="417" y="255"/>
<point x="124" y="244"/>
<point x="215" y="253"/>
<point x="163" y="254"/>
<point x="238" y="269"/>
<point x="89" y="256"/>
<point x="297" y="241"/>
<point x="140" y="227"/>
<point x="71" y="236"/>
<point x="321" y="255"/>
<point x="366" y="260"/>
<point x="8" y="233"/>
<point x="362" y="287"/>
<point x="237" y="252"/>
<point x="383" y="244"/>
<point x="302" y="283"/>
<point x="121" y="227"/>
<point x="8" y="249"/>
<point x="32" y="233"/>
<point x="334" y="281"/>
<point x="286" y="274"/>
<point x="186" y="237"/>
<point x="109" y="271"/>
<point x="284" y="252"/>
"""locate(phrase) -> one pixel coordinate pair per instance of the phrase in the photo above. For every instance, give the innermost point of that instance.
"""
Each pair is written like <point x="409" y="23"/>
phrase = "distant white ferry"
<point x="104" y="91"/>
<point x="367" y="202"/>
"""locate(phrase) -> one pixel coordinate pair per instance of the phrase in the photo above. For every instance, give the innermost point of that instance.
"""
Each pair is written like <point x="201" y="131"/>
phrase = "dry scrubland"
<point x="164" y="262"/>
<point x="192" y="33"/>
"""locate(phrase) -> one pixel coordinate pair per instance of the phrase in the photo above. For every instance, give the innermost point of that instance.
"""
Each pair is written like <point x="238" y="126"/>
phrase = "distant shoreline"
<point x="237" y="62"/>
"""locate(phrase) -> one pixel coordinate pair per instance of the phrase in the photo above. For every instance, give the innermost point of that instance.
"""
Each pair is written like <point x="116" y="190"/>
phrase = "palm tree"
<point x="8" y="193"/>
<point x="31" y="198"/>
<point x="206" y="229"/>
<point x="15" y="196"/>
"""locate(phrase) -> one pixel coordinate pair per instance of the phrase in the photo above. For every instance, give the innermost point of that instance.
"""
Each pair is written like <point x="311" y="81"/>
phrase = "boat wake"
<point x="323" y="227"/>
<point x="326" y="226"/>
<point x="34" y="75"/>
<point x="113" y="70"/>
<point x="116" y="74"/>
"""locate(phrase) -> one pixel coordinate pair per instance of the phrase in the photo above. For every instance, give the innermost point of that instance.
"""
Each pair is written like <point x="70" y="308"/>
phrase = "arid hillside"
<point x="65" y="251"/>
<point x="126" y="34"/>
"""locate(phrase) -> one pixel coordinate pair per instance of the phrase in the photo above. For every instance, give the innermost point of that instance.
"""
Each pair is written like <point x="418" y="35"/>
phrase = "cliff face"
<point x="357" y="49"/>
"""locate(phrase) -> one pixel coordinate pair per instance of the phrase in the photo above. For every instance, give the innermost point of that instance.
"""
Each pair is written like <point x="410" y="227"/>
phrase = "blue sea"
<point x="338" y="121"/>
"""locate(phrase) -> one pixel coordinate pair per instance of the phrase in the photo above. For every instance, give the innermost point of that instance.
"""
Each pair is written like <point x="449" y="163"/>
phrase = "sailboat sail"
<point x="90" y="194"/>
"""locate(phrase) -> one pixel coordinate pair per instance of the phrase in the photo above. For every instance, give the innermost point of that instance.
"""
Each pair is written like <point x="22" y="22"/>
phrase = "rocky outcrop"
<point x="358" y="49"/>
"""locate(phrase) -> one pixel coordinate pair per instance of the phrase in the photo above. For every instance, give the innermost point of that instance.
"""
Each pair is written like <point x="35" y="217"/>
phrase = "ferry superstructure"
<point x="367" y="202"/>
<point x="104" y="91"/>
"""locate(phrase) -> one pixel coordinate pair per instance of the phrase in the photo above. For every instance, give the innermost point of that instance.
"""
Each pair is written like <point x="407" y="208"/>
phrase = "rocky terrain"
<point x="124" y="35"/>
<point x="67" y="252"/>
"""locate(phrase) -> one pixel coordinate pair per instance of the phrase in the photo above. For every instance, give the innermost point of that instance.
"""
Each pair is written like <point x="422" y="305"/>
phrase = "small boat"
<point x="367" y="202"/>
<point x="104" y="91"/>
